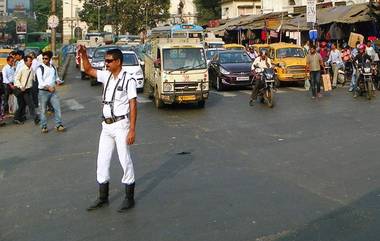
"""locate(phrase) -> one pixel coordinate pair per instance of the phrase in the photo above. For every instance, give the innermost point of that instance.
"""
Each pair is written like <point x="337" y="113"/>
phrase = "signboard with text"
<point x="311" y="11"/>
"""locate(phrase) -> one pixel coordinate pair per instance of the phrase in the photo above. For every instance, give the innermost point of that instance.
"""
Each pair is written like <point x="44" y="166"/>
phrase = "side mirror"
<point x="157" y="63"/>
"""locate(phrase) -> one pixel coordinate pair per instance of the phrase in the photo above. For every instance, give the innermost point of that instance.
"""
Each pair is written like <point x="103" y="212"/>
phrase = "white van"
<point x="132" y="65"/>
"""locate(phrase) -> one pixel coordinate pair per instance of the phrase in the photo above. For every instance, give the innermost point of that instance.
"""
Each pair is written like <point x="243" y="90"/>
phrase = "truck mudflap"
<point x="185" y="97"/>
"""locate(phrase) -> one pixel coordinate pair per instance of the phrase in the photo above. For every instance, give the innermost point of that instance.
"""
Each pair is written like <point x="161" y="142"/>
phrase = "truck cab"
<point x="176" y="71"/>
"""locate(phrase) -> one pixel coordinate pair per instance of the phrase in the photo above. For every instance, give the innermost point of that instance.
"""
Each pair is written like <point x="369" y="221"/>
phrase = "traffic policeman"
<point x="118" y="126"/>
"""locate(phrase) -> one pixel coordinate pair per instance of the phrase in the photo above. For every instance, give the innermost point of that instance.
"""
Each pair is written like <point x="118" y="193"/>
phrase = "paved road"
<point x="305" y="170"/>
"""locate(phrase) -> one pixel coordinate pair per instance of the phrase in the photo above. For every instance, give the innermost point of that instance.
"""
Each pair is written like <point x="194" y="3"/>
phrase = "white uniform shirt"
<point x="35" y="64"/>
<point x="49" y="78"/>
<point x="122" y="97"/>
<point x="8" y="74"/>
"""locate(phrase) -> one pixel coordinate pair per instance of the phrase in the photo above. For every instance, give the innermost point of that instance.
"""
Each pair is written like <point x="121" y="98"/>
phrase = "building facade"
<point x="236" y="8"/>
<point x="182" y="11"/>
<point x="3" y="7"/>
<point x="73" y="28"/>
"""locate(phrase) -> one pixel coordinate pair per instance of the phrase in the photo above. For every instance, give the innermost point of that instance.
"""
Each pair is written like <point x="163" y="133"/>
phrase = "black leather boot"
<point x="103" y="197"/>
<point x="129" y="200"/>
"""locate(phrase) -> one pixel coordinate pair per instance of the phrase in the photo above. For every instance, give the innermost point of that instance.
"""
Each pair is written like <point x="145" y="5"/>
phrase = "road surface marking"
<point x="73" y="104"/>
<point x="248" y="92"/>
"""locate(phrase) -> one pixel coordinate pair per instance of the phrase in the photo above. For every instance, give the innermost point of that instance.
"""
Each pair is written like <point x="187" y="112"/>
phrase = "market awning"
<point x="340" y="14"/>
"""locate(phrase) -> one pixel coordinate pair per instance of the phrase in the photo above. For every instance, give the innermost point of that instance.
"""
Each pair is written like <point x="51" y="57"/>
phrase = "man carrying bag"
<point x="23" y="91"/>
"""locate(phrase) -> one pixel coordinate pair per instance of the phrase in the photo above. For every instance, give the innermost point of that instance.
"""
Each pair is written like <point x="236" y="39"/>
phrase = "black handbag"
<point x="17" y="91"/>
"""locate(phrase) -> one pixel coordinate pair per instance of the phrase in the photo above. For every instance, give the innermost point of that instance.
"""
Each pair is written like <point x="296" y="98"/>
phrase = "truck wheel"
<point x="157" y="101"/>
<point x="201" y="103"/>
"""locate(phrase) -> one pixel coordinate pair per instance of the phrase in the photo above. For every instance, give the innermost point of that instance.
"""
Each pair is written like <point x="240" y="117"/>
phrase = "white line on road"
<point x="223" y="93"/>
<point x="248" y="92"/>
<point x="73" y="104"/>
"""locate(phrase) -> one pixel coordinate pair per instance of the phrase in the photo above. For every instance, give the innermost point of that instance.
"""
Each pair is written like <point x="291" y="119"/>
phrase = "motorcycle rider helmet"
<point x="323" y="44"/>
<point x="362" y="47"/>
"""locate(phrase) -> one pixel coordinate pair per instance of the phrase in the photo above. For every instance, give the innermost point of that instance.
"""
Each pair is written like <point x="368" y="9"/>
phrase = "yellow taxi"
<point x="4" y="53"/>
<point x="260" y="47"/>
<point x="289" y="62"/>
<point x="234" y="47"/>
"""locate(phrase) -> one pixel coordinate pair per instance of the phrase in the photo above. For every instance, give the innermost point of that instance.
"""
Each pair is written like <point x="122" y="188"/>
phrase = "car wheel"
<point x="219" y="84"/>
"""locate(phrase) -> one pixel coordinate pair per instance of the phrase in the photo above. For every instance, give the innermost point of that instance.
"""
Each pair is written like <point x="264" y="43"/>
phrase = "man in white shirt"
<point x="119" y="114"/>
<point x="262" y="62"/>
<point x="35" y="65"/>
<point x="335" y="59"/>
<point x="47" y="77"/>
<point x="19" y="63"/>
<point x="8" y="72"/>
<point x="24" y="82"/>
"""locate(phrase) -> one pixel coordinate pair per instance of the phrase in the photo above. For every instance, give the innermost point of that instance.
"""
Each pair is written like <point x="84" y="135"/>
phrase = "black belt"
<point x="114" y="119"/>
<point x="44" y="90"/>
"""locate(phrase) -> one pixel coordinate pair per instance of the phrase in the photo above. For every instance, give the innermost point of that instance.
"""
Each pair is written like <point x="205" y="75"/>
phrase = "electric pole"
<point x="53" y="30"/>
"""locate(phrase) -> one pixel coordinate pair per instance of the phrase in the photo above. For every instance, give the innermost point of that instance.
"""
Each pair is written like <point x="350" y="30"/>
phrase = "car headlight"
<point x="367" y="70"/>
<point x="139" y="72"/>
<point x="223" y="71"/>
<point x="167" y="86"/>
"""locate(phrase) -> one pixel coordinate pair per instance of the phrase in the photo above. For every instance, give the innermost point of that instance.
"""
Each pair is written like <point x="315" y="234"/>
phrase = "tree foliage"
<point x="125" y="15"/>
<point x="208" y="10"/>
<point x="42" y="10"/>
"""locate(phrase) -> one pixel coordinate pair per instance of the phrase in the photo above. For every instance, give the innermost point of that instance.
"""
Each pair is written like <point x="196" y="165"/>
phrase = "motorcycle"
<point x="266" y="93"/>
<point x="347" y="72"/>
<point x="365" y="81"/>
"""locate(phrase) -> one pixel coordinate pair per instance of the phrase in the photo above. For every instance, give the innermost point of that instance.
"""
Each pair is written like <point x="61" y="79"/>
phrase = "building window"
<point x="245" y="10"/>
<point x="292" y="2"/>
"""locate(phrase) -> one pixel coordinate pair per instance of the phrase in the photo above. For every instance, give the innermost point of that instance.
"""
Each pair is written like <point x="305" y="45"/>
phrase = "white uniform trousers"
<point x="116" y="132"/>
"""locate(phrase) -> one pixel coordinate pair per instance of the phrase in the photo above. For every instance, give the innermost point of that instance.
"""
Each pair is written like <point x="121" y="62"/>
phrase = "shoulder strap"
<point x="27" y="79"/>
<point x="105" y="88"/>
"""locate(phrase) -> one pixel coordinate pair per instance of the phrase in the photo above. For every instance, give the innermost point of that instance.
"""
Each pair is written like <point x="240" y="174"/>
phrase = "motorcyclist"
<point x="261" y="62"/>
<point x="360" y="59"/>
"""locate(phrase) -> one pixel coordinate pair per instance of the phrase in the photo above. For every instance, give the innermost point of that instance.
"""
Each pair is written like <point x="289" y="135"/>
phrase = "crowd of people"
<point x="30" y="80"/>
<point x="326" y="58"/>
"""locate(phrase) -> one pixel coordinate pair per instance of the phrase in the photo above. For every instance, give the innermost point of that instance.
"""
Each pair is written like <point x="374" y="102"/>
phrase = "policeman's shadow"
<point x="168" y="169"/>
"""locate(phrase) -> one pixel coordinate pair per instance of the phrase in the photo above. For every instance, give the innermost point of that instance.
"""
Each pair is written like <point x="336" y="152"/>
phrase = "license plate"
<point x="187" y="98"/>
<point x="269" y="80"/>
<point x="242" y="78"/>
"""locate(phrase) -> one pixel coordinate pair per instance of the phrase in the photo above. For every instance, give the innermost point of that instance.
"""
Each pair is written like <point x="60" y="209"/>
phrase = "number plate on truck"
<point x="187" y="98"/>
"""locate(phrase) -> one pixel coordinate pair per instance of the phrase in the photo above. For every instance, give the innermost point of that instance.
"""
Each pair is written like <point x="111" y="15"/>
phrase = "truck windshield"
<point x="290" y="52"/>
<point x="184" y="58"/>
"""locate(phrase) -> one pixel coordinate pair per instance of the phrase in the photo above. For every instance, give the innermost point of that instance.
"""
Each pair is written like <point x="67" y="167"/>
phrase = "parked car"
<point x="230" y="68"/>
<point x="289" y="62"/>
<point x="132" y="65"/>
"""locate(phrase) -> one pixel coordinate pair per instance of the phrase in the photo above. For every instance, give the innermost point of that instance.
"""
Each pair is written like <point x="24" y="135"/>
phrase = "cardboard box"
<point x="354" y="37"/>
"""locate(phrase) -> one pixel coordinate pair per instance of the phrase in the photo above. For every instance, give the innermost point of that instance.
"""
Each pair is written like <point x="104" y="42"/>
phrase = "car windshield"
<point x="130" y="59"/>
<point x="234" y="58"/>
<point x="4" y="55"/>
<point x="290" y="52"/>
<point x="100" y="53"/>
<point x="184" y="58"/>
<point x="215" y="45"/>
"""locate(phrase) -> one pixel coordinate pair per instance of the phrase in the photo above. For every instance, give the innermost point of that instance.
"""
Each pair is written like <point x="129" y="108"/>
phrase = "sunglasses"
<point x="108" y="61"/>
<point x="45" y="58"/>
